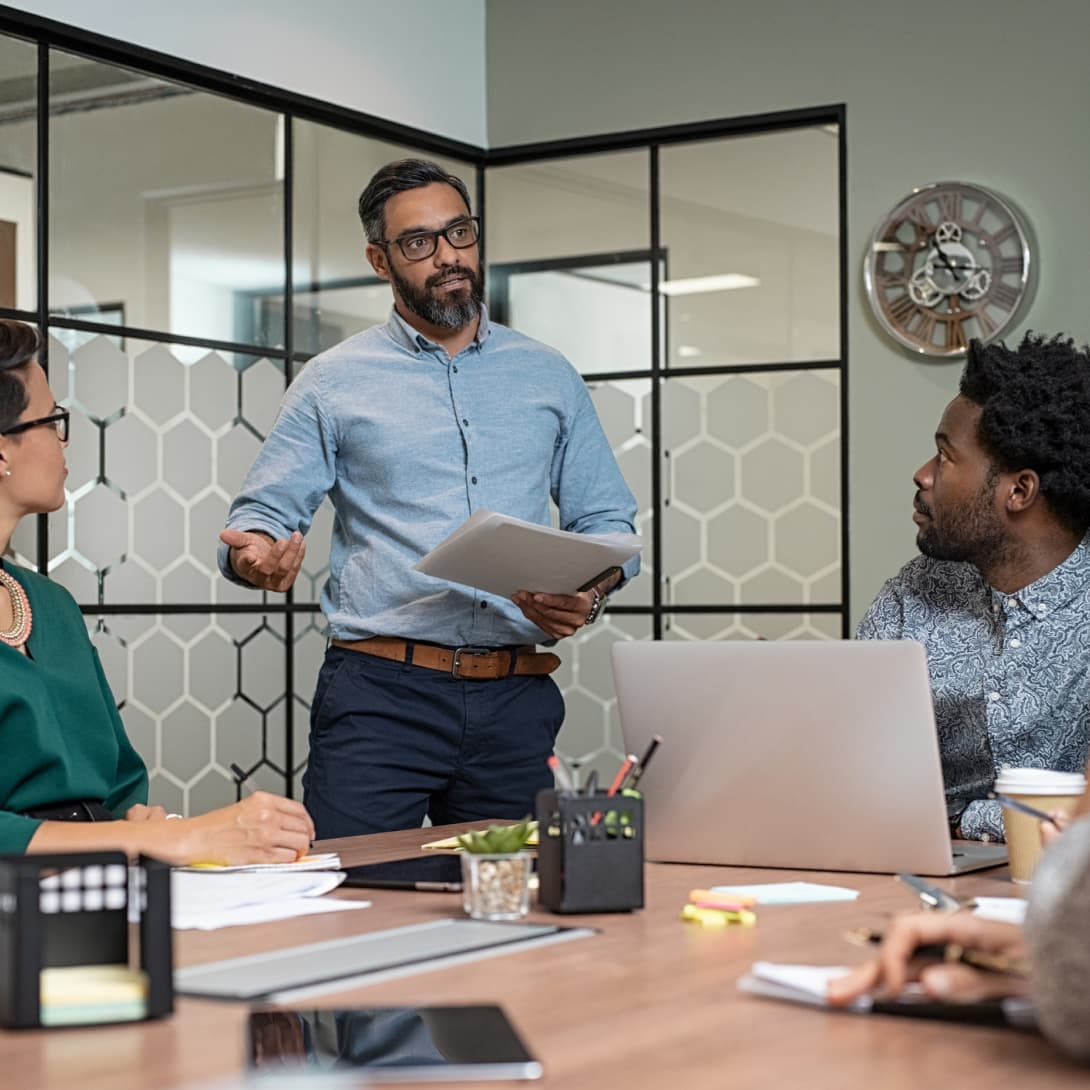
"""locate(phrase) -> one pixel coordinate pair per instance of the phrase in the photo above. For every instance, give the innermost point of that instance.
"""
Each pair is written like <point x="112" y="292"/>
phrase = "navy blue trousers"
<point x="391" y="742"/>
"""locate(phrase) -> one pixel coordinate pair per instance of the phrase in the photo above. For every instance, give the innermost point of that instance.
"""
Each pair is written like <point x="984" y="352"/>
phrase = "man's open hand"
<point x="263" y="561"/>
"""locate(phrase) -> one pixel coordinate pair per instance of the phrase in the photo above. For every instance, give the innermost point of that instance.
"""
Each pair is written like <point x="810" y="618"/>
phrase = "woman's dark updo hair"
<point x="19" y="344"/>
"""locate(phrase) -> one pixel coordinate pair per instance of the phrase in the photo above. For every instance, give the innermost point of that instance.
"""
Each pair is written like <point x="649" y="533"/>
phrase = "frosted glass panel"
<point x="198" y="693"/>
<point x="591" y="735"/>
<point x="752" y="626"/>
<point x="161" y="437"/>
<point x="751" y="469"/>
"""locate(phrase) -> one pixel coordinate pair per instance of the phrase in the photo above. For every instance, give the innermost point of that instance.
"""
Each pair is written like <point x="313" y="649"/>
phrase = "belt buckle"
<point x="469" y="649"/>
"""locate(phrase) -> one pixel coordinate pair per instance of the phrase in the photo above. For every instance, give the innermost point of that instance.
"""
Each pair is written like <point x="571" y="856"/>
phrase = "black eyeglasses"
<point x="418" y="245"/>
<point x="59" y="420"/>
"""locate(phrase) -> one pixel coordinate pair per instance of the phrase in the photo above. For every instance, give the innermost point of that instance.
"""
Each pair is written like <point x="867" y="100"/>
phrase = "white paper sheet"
<point x="1005" y="909"/>
<point x="322" y="861"/>
<point x="797" y="983"/>
<point x="282" y="910"/>
<point x="205" y="901"/>
<point x="500" y="555"/>
<point x="791" y="893"/>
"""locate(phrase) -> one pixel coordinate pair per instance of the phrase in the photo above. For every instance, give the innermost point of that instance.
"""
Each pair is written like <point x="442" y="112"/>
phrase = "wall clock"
<point x="950" y="262"/>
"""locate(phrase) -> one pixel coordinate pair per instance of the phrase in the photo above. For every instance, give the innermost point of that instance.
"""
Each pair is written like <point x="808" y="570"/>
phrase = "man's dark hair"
<point x="1035" y="403"/>
<point x="19" y="344"/>
<point x="396" y="178"/>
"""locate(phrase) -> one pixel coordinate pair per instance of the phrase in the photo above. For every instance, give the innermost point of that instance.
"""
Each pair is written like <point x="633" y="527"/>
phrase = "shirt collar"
<point x="1055" y="588"/>
<point x="414" y="341"/>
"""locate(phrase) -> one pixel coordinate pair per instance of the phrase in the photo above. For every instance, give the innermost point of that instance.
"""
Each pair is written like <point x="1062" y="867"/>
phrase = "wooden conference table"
<point x="650" y="1002"/>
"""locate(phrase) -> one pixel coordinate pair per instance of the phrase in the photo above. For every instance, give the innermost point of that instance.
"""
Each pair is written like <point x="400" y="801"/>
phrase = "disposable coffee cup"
<point x="1043" y="790"/>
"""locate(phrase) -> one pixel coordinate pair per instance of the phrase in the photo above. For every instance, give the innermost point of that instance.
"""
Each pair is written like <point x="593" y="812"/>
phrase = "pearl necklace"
<point x="19" y="632"/>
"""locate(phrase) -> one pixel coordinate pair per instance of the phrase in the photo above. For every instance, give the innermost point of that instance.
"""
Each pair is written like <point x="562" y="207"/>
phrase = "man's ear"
<point x="376" y="255"/>
<point x="1021" y="490"/>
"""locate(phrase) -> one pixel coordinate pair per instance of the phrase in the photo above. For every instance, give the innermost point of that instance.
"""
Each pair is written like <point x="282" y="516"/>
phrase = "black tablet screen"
<point x="473" y="1042"/>
<point x="416" y="872"/>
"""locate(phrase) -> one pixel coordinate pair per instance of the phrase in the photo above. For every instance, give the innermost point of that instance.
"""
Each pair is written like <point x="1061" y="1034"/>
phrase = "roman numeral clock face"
<point x="951" y="262"/>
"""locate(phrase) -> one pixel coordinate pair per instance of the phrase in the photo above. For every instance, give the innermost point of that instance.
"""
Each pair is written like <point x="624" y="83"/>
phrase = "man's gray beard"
<point x="452" y="315"/>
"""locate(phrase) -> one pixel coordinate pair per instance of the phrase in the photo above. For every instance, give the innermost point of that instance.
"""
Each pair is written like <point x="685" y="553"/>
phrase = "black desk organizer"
<point x="590" y="852"/>
<point x="83" y="921"/>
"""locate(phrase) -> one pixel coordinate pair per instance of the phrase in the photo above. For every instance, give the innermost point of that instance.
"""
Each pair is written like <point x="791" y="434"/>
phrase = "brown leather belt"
<point x="468" y="663"/>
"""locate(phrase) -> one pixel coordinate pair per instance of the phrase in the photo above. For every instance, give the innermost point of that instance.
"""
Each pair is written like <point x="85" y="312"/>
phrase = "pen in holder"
<point x="590" y="852"/>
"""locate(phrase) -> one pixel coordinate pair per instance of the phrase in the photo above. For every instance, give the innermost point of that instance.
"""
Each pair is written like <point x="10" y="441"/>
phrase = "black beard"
<point x="974" y="534"/>
<point x="456" y="312"/>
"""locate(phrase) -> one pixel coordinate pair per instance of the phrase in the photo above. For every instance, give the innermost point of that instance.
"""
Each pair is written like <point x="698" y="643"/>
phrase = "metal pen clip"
<point x="932" y="897"/>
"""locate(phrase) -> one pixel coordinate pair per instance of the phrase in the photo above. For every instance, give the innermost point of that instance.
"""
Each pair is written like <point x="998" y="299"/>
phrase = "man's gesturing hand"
<point x="264" y="562"/>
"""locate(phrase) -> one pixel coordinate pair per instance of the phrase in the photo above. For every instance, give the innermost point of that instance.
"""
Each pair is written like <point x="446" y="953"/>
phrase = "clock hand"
<point x="944" y="259"/>
<point x="969" y="267"/>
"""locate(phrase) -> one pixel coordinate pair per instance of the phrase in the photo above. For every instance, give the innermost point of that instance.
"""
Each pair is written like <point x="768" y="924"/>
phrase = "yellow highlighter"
<point x="717" y="917"/>
<point x="711" y="898"/>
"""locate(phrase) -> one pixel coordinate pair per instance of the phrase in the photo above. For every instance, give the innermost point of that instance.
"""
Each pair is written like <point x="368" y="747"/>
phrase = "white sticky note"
<point x="791" y="893"/>
<point x="1005" y="909"/>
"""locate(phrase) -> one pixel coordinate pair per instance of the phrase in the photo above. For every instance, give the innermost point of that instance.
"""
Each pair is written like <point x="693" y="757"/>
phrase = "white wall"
<point x="418" y="62"/>
<point x="993" y="93"/>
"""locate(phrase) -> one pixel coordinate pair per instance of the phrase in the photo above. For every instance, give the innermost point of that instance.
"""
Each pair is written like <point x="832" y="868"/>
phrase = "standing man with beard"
<point x="433" y="698"/>
<point x="1000" y="597"/>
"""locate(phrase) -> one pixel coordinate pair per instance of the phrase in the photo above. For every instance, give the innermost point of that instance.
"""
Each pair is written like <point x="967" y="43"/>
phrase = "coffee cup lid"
<point x="1039" y="781"/>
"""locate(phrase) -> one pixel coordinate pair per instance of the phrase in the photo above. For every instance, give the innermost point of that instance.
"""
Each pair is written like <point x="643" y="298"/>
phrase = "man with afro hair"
<point x="1001" y="595"/>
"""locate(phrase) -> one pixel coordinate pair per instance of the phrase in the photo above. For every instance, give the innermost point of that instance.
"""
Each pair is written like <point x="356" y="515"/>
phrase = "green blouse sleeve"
<point x="15" y="832"/>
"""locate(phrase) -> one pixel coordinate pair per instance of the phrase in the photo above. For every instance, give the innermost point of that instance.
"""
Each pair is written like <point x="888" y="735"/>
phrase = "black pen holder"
<point x="64" y="911"/>
<point x="590" y="852"/>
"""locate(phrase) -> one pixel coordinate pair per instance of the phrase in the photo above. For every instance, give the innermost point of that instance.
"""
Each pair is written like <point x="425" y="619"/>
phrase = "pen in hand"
<point x="242" y="780"/>
<point x="1024" y="808"/>
<point x="950" y="952"/>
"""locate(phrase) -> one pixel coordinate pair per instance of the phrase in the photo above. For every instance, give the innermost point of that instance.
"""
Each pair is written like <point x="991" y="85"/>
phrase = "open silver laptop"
<point x="821" y="755"/>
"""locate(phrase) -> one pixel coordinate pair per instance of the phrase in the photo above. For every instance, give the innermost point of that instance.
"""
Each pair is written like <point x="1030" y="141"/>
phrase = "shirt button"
<point x="456" y="370"/>
<point x="1042" y="609"/>
<point x="995" y="607"/>
<point x="465" y="423"/>
<point x="473" y="480"/>
<point x="1016" y="643"/>
<point x="1010" y="603"/>
<point x="484" y="605"/>
<point x="993" y="697"/>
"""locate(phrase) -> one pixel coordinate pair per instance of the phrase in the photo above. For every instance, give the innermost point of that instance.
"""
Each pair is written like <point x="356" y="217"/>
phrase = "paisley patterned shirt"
<point x="1010" y="673"/>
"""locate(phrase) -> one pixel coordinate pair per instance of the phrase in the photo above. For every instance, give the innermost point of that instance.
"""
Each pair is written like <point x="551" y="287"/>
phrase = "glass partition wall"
<point x="186" y="247"/>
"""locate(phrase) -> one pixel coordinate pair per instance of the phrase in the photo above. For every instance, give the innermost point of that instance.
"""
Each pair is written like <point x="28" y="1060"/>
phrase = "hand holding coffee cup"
<point x="1042" y="789"/>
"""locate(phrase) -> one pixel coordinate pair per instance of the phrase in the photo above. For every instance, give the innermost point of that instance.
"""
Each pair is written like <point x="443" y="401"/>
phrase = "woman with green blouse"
<point x="70" y="779"/>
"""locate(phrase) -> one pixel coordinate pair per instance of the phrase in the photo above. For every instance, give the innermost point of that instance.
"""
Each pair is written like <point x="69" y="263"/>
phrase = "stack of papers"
<point x="210" y="900"/>
<point x="324" y="861"/>
<point x="501" y="555"/>
<point x="808" y="984"/>
<point x="797" y="983"/>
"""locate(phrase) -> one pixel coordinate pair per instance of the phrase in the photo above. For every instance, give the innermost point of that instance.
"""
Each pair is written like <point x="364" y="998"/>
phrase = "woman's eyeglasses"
<point x="59" y="420"/>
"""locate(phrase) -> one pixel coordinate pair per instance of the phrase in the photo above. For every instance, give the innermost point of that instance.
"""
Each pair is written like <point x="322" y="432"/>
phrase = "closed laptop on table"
<point x="820" y="755"/>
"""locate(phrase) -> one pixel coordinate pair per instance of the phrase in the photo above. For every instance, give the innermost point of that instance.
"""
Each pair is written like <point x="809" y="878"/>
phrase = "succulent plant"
<point x="499" y="839"/>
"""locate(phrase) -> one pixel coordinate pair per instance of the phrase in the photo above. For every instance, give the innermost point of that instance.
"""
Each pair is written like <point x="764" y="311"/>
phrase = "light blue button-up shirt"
<point x="408" y="443"/>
